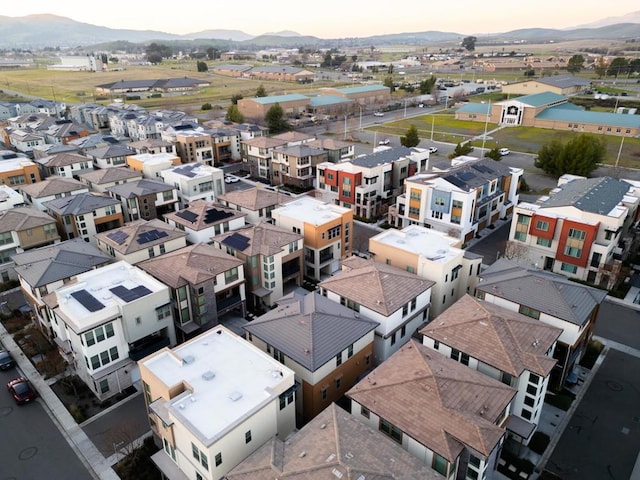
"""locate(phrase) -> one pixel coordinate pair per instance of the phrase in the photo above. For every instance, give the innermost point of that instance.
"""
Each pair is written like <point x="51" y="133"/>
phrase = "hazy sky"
<point x="328" y="18"/>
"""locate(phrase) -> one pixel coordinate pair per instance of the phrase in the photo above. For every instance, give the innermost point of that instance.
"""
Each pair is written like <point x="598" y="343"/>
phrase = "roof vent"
<point x="323" y="426"/>
<point x="302" y="454"/>
<point x="208" y="375"/>
<point x="188" y="359"/>
<point x="235" y="396"/>
<point x="348" y="455"/>
<point x="181" y="406"/>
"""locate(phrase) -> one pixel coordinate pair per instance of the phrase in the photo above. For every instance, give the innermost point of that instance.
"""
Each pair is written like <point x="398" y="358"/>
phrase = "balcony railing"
<point x="224" y="303"/>
<point x="325" y="257"/>
<point x="148" y="348"/>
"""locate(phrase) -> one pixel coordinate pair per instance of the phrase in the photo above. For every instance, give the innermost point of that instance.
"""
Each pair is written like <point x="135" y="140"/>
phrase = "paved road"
<point x="620" y="324"/>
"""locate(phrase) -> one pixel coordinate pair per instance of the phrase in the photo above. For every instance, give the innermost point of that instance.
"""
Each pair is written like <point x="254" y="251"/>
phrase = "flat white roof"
<point x="230" y="379"/>
<point x="191" y="170"/>
<point x="308" y="209"/>
<point x="11" y="164"/>
<point x="151" y="158"/>
<point x="432" y="245"/>
<point x="99" y="294"/>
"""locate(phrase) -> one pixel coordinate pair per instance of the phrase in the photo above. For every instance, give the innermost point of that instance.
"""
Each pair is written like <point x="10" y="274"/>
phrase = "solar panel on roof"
<point x="118" y="236"/>
<point x="87" y="300"/>
<point x="466" y="176"/>
<point x="187" y="171"/>
<point x="237" y="241"/>
<point x="129" y="295"/>
<point x="151" y="235"/>
<point x="454" y="180"/>
<point x="482" y="168"/>
<point x="214" y="215"/>
<point x="187" y="215"/>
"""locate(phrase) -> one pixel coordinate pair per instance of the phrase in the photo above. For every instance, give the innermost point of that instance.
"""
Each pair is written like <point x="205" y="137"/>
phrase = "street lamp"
<point x="360" y="107"/>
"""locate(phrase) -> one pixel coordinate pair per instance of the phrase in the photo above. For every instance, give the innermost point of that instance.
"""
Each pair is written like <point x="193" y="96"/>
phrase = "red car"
<point x="21" y="390"/>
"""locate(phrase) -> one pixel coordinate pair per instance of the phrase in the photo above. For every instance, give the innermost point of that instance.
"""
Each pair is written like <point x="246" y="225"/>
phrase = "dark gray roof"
<point x="475" y="173"/>
<point x="387" y="155"/>
<point x="139" y="187"/>
<point x="564" y="81"/>
<point x="42" y="266"/>
<point x="311" y="330"/>
<point x="595" y="195"/>
<point x="111" y="151"/>
<point x="80" y="204"/>
<point x="546" y="292"/>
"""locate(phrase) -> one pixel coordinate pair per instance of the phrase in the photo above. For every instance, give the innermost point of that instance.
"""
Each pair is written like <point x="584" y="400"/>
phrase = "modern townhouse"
<point x="257" y="154"/>
<point x="315" y="452"/>
<point x="85" y="214"/>
<point x="201" y="220"/>
<point x="61" y="132"/>
<point x="96" y="140"/>
<point x="327" y="230"/>
<point x="67" y="164"/>
<point x="296" y="165"/>
<point x="337" y="150"/>
<point x="581" y="230"/>
<point x="152" y="146"/>
<point x="226" y="145"/>
<point x="193" y="144"/>
<point x="505" y="345"/>
<point x="23" y="140"/>
<point x="21" y="229"/>
<point x="552" y="299"/>
<point x="51" y="188"/>
<point x="397" y="300"/>
<point x="295" y="138"/>
<point x="100" y="180"/>
<point x="108" y="319"/>
<point x="18" y="171"/>
<point x="92" y="114"/>
<point x="213" y="401"/>
<point x="146" y="198"/>
<point x="256" y="203"/>
<point x="431" y="255"/>
<point x="327" y="345"/>
<point x="251" y="130"/>
<point x="195" y="181"/>
<point x="461" y="201"/>
<point x="110" y="156"/>
<point x="118" y="120"/>
<point x="205" y="283"/>
<point x="151" y="164"/>
<point x="140" y="240"/>
<point x="272" y="258"/>
<point x="9" y="198"/>
<point x="41" y="271"/>
<point x="448" y="415"/>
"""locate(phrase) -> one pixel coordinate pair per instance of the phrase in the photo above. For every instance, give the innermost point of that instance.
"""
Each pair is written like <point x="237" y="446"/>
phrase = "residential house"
<point x="193" y="145"/>
<point x="432" y="255"/>
<point x="315" y="452"/>
<point x="110" y="156"/>
<point x="256" y="203"/>
<point x="327" y="230"/>
<point x="21" y="229"/>
<point x="272" y="258"/>
<point x="151" y="164"/>
<point x="23" y="140"/>
<point x="505" y="345"/>
<point x="195" y="181"/>
<point x="140" y="240"/>
<point x="295" y="165"/>
<point x="108" y="319"/>
<point x="337" y="150"/>
<point x="327" y="345"/>
<point x="581" y="230"/>
<point x="201" y="220"/>
<point x="37" y="194"/>
<point x="9" y="198"/>
<point x="257" y="154"/>
<point x="551" y="299"/>
<point x="145" y="198"/>
<point x="205" y="284"/>
<point x="213" y="401"/>
<point x="41" y="271"/>
<point x="450" y="416"/>
<point x="85" y="214"/>
<point x="461" y="201"/>
<point x="67" y="164"/>
<point x="18" y="171"/>
<point x="100" y="180"/>
<point x="152" y="146"/>
<point x="226" y="145"/>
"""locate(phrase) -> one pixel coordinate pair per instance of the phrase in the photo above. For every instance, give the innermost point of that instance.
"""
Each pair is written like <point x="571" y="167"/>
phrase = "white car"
<point x="230" y="179"/>
<point x="433" y="149"/>
<point x="378" y="114"/>
<point x="384" y="142"/>
<point x="504" y="151"/>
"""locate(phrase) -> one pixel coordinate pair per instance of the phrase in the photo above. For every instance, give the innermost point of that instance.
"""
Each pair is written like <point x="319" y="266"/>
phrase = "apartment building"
<point x="257" y="154"/>
<point x="151" y="164"/>
<point x="194" y="145"/>
<point x="396" y="299"/>
<point x="195" y="181"/>
<point x="461" y="201"/>
<point x="18" y="171"/>
<point x="256" y="203"/>
<point x="100" y="180"/>
<point x="202" y="220"/>
<point x="108" y="319"/>
<point x="327" y="230"/>
<point x="146" y="198"/>
<point x="51" y="188"/>
<point x="505" y="345"/>
<point x="296" y="165"/>
<point x="213" y="401"/>
<point x="205" y="282"/>
<point x="582" y="229"/>
<point x="327" y="345"/>
<point x="551" y="299"/>
<point x="337" y="150"/>
<point x="65" y="164"/>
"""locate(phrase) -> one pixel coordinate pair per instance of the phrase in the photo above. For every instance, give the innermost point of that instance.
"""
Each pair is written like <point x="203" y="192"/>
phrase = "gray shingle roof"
<point x="80" y="204"/>
<point x="595" y="195"/>
<point x="140" y="187"/>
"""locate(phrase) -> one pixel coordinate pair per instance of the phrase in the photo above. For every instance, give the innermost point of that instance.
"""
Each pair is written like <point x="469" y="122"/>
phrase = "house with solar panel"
<point x="194" y="181"/>
<point x="145" y="198"/>
<point x="460" y="201"/>
<point x="107" y="320"/>
<point x="140" y="240"/>
<point x="202" y="220"/>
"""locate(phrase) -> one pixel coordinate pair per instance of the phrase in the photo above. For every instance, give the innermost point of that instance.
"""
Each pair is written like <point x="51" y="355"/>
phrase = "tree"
<point x="426" y="86"/>
<point x="261" y="92"/>
<point x="617" y="66"/>
<point x="579" y="156"/>
<point x="600" y="66"/>
<point x="410" y="139"/>
<point x="206" y="106"/>
<point x="575" y="63"/>
<point x="388" y="82"/>
<point x="202" y="66"/>
<point x="156" y="52"/>
<point x="327" y="62"/>
<point x="234" y="115"/>
<point x="461" y="149"/>
<point x="494" y="154"/>
<point x="469" y="43"/>
<point x="275" y="119"/>
<point x="529" y="72"/>
<point x="235" y="97"/>
<point x="390" y="69"/>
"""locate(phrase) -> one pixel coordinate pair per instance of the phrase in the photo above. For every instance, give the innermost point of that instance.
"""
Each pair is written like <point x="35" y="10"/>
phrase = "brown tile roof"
<point x="53" y="185"/>
<point x="377" y="286"/>
<point x="262" y="239"/>
<point x="506" y="340"/>
<point x="189" y="265"/>
<point x="293" y="136"/>
<point x="444" y="405"/>
<point x="199" y="208"/>
<point x="334" y="441"/>
<point x="108" y="175"/>
<point x="63" y="159"/>
<point x="131" y="232"/>
<point x="329" y="144"/>
<point x="253" y="198"/>
<point x="265" y="142"/>
<point x="23" y="218"/>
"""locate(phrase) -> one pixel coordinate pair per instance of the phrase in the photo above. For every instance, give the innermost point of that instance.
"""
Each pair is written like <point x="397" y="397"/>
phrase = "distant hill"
<point x="633" y="17"/>
<point x="220" y="34"/>
<point x="617" y="31"/>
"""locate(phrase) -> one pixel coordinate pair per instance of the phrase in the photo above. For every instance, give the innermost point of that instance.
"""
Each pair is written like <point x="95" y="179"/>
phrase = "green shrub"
<point x="77" y="413"/>
<point x="562" y="400"/>
<point x="539" y="442"/>
<point x="206" y="106"/>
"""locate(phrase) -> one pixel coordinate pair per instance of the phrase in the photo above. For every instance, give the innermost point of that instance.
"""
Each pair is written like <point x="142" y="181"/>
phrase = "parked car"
<point x="378" y="114"/>
<point x="504" y="151"/>
<point x="21" y="390"/>
<point x="433" y="149"/>
<point x="386" y="141"/>
<point x="230" y="179"/>
<point x="6" y="360"/>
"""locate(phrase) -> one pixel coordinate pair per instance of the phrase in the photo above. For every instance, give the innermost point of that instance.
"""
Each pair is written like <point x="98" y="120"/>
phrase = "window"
<point x="247" y="437"/>
<point x="391" y="430"/>
<point x="113" y="353"/>
<point x="532" y="389"/>
<point x="231" y="275"/>
<point x="572" y="251"/>
<point x="218" y="459"/>
<point x="338" y="382"/>
<point x="439" y="464"/>
<point x="436" y="345"/>
<point x="542" y="225"/>
<point x="533" y="378"/>
<point x="577" y="234"/>
<point x="324" y="393"/>
<point x="393" y="339"/>
<point x="89" y="338"/>
<point x="95" y="362"/>
<point x="163" y="312"/>
<point x="543" y="242"/>
<point x="529" y="401"/>
<point x="529" y="312"/>
<point x="108" y="328"/>
<point x="339" y="359"/>
<point x="350" y="351"/>
<point x="365" y="412"/>
<point x="567" y="267"/>
<point x="104" y="386"/>
<point x="526" y="414"/>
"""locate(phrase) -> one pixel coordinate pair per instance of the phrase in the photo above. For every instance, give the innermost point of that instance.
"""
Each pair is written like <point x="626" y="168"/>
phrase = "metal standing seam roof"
<point x="362" y="89"/>
<point x="291" y="97"/>
<point x="539" y="99"/>
<point x="561" y="114"/>
<point x="596" y="195"/>
<point x="309" y="331"/>
<point x="388" y="155"/>
<point x="475" y="107"/>
<point x="549" y="293"/>
<point x="324" y="100"/>
<point x="564" y="81"/>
